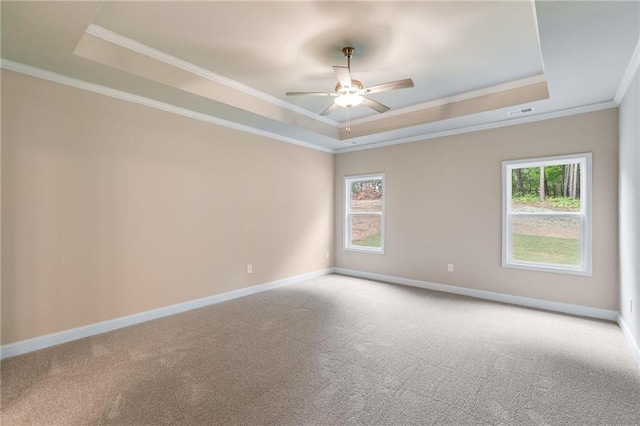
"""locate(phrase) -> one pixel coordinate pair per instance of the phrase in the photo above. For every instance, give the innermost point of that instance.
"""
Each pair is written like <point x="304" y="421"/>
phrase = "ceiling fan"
<point x="350" y="92"/>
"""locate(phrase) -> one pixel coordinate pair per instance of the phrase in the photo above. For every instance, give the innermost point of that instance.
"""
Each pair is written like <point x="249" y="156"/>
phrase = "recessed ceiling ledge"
<point x="105" y="52"/>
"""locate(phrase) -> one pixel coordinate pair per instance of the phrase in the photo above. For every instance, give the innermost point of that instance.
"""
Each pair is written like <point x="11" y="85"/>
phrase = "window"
<point x="546" y="214"/>
<point x="364" y="213"/>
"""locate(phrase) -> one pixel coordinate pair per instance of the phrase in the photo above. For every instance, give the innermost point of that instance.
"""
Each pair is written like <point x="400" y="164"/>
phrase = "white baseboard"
<point x="633" y="345"/>
<point x="54" y="339"/>
<point x="30" y="345"/>
<point x="583" y="311"/>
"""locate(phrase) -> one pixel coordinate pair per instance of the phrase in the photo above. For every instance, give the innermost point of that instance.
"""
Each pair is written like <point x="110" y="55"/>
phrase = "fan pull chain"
<point x="348" y="127"/>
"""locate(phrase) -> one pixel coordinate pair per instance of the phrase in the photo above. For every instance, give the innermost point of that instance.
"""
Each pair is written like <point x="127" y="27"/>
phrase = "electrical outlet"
<point x="450" y="267"/>
<point x="326" y="255"/>
<point x="249" y="269"/>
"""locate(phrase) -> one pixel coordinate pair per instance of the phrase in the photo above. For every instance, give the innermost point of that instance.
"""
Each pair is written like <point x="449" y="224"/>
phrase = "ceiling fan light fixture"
<point x="349" y="100"/>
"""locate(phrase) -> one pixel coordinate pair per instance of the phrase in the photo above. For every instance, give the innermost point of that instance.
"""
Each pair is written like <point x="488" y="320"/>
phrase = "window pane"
<point x="547" y="215"/>
<point x="366" y="230"/>
<point x="366" y="196"/>
<point x="553" y="240"/>
<point x="560" y="188"/>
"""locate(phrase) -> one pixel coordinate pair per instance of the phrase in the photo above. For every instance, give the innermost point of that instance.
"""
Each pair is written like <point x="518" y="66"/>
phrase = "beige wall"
<point x="443" y="205"/>
<point x="111" y="208"/>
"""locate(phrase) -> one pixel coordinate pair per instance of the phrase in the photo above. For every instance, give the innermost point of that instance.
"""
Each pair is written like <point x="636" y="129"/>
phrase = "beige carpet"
<point x="335" y="350"/>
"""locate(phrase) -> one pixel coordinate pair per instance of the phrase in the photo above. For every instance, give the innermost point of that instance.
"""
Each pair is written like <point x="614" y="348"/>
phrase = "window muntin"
<point x="549" y="230"/>
<point x="364" y="213"/>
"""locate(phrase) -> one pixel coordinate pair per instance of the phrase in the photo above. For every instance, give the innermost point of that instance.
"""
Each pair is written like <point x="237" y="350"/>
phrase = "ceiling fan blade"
<point x="375" y="105"/>
<point x="344" y="76"/>
<point x="310" y="94"/>
<point x="385" y="87"/>
<point x="329" y="109"/>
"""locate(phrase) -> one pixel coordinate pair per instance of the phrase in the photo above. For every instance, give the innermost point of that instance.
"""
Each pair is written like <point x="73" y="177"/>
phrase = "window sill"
<point x="364" y="250"/>
<point x="540" y="267"/>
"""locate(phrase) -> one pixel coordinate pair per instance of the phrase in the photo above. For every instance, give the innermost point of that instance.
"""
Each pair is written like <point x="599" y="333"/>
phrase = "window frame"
<point x="585" y="214"/>
<point x="348" y="180"/>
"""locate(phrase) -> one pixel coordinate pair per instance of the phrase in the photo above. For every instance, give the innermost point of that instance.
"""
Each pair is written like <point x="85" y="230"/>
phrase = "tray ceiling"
<point x="471" y="62"/>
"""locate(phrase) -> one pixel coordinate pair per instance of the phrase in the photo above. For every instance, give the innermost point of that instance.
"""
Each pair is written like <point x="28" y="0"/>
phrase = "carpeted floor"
<point x="335" y="350"/>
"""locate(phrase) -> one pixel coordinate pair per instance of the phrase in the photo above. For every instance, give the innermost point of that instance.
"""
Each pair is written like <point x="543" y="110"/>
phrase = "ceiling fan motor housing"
<point x="356" y="86"/>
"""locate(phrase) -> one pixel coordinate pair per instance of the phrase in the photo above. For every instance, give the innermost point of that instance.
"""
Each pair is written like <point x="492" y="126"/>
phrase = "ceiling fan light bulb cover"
<point x="349" y="100"/>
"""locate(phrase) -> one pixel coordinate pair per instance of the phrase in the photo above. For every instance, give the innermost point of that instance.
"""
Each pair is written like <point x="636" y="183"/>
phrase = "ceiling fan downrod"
<point x="348" y="53"/>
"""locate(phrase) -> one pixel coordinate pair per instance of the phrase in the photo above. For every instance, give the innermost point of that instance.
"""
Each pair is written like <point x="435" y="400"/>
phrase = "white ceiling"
<point x="237" y="59"/>
<point x="446" y="48"/>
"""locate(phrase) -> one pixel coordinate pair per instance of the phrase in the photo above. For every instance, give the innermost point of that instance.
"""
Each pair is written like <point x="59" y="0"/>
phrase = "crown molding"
<point x="536" y="25"/>
<point x="632" y="68"/>
<point x="125" y="96"/>
<point x="487" y="126"/>
<point x="540" y="78"/>
<point x="118" y="94"/>
<point x="143" y="49"/>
